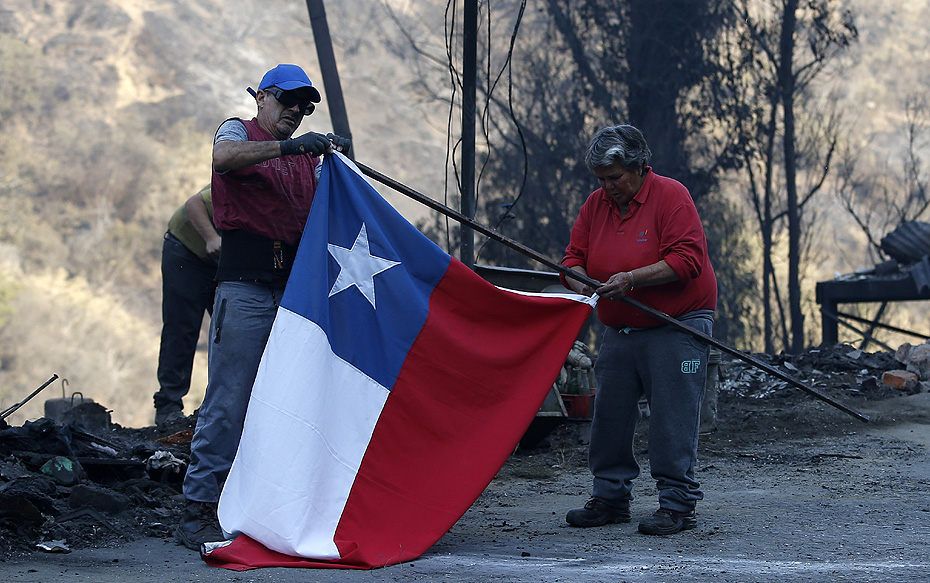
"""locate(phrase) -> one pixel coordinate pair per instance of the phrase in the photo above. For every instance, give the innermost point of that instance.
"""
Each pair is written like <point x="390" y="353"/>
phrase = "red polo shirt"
<point x="662" y="224"/>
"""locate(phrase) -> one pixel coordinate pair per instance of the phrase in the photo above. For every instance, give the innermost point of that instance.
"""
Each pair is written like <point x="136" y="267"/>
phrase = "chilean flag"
<point x="394" y="385"/>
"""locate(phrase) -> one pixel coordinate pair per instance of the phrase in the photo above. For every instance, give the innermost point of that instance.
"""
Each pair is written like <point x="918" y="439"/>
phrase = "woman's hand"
<point x="581" y="288"/>
<point x="577" y="286"/>
<point x="617" y="286"/>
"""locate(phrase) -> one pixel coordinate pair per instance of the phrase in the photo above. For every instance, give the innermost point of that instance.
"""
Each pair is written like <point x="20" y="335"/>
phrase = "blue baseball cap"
<point x="288" y="77"/>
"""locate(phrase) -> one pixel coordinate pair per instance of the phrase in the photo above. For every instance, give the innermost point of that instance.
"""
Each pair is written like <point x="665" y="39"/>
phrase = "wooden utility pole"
<point x="340" y="120"/>
<point x="786" y="82"/>
<point x="469" y="101"/>
<point x="324" y="52"/>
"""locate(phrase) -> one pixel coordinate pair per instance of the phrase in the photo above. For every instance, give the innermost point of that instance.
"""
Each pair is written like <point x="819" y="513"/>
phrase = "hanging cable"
<point x="487" y="121"/>
<point x="508" y="66"/>
<point x="452" y="144"/>
<point x="449" y="22"/>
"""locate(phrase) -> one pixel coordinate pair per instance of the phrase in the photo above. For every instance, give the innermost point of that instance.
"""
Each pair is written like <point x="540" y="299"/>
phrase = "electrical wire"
<point x="456" y="84"/>
<point x="486" y="116"/>
<point x="508" y="66"/>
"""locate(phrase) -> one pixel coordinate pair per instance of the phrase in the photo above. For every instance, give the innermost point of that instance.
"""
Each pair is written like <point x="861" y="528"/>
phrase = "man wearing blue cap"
<point x="263" y="185"/>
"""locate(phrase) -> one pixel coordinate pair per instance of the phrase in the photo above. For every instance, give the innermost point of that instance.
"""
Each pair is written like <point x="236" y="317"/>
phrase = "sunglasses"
<point x="289" y="99"/>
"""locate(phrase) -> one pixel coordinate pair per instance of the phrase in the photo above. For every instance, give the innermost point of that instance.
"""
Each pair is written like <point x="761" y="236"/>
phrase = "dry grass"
<point x="97" y="92"/>
<point x="65" y="326"/>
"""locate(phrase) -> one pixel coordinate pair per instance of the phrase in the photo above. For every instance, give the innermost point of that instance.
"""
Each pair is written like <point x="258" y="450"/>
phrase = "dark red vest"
<point x="271" y="198"/>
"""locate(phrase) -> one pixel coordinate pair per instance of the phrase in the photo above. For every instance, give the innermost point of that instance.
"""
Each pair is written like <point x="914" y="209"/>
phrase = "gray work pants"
<point x="668" y="366"/>
<point x="243" y="313"/>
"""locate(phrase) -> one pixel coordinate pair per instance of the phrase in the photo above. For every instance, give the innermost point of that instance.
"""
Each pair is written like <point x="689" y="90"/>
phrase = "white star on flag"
<point x="358" y="267"/>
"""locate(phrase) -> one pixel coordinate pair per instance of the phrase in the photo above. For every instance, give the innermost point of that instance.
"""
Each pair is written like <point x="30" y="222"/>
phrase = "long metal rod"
<point x="7" y="412"/>
<point x="864" y="335"/>
<point x="827" y="315"/>
<point x="880" y="325"/>
<point x="567" y="272"/>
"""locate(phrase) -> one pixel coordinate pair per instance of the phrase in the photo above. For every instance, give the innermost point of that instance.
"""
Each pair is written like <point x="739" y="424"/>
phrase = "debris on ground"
<point x="88" y="484"/>
<point x="843" y="370"/>
<point x="85" y="482"/>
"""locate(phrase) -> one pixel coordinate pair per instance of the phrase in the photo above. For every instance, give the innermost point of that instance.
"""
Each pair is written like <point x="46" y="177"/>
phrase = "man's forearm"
<point x="232" y="155"/>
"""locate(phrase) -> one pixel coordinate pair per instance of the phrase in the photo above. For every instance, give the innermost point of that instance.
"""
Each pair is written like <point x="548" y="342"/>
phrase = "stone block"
<point x="900" y="379"/>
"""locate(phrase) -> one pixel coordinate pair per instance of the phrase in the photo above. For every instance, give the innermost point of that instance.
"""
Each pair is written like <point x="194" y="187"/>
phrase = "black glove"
<point x="309" y="143"/>
<point x="341" y="144"/>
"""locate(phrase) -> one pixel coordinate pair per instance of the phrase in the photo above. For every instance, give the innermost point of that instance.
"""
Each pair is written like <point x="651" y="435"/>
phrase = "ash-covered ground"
<point x="86" y="483"/>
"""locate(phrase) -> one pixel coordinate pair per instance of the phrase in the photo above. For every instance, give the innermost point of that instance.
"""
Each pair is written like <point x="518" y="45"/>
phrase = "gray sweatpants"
<point x="669" y="367"/>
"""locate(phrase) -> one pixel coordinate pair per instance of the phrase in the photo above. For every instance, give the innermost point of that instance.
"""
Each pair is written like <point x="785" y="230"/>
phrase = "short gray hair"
<point x="620" y="144"/>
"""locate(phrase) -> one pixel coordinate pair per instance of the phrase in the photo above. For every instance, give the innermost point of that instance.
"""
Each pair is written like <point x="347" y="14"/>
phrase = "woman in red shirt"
<point x="640" y="234"/>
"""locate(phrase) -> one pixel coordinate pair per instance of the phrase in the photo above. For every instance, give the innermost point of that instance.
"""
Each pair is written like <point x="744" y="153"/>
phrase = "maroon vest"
<point x="271" y="199"/>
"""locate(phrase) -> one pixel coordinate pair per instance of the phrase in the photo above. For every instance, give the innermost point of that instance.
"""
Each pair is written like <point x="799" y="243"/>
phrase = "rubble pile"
<point x="915" y="378"/>
<point x="840" y="370"/>
<point x="88" y="483"/>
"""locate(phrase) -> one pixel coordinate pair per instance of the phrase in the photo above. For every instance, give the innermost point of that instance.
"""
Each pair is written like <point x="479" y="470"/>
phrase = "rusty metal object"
<point x="179" y="438"/>
<point x="908" y="243"/>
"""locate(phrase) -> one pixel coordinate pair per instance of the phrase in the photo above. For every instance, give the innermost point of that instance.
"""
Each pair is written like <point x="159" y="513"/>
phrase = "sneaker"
<point x="666" y="521"/>
<point x="599" y="513"/>
<point x="198" y="525"/>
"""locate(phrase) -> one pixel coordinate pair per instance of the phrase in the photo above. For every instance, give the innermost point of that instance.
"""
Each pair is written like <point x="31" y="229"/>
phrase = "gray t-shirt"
<point x="234" y="130"/>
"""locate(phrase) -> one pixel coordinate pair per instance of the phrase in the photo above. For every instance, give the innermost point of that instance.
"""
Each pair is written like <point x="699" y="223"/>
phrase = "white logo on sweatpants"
<point x="690" y="366"/>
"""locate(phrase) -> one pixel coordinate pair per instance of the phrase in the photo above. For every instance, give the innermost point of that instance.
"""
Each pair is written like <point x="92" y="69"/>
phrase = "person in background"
<point x="263" y="185"/>
<point x="641" y="235"/>
<point x="188" y="270"/>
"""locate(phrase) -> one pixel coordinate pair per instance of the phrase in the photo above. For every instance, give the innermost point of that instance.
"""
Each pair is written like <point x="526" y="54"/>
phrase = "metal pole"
<point x="324" y="52"/>
<point x="469" y="101"/>
<point x="881" y="325"/>
<point x="9" y="411"/>
<point x="656" y="314"/>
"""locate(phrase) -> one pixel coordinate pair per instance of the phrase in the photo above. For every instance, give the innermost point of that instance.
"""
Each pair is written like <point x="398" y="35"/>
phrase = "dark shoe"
<point x="166" y="415"/>
<point x="598" y="513"/>
<point x="666" y="521"/>
<point x="198" y="525"/>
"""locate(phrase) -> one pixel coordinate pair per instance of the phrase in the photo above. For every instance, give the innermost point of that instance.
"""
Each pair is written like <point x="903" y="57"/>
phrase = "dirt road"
<point x="795" y="491"/>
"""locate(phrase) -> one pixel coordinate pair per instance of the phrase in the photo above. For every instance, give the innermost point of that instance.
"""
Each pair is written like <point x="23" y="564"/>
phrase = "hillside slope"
<point x="113" y="109"/>
<point x="110" y="112"/>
